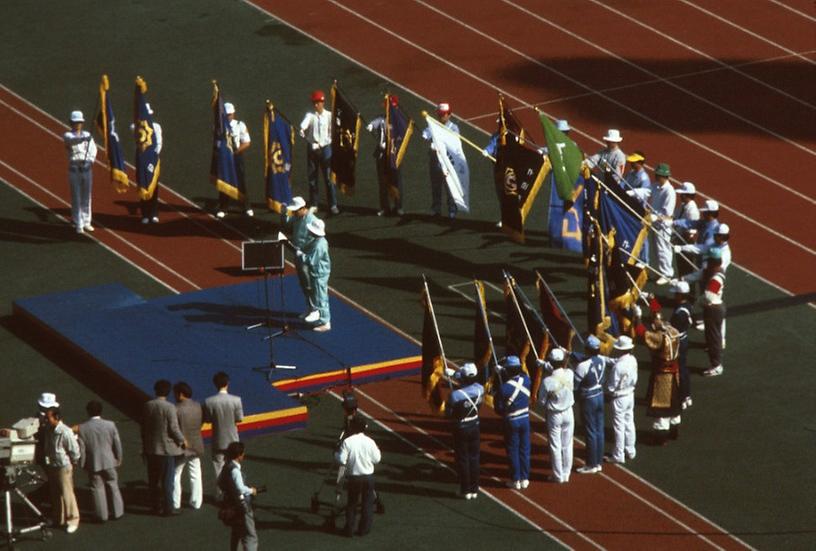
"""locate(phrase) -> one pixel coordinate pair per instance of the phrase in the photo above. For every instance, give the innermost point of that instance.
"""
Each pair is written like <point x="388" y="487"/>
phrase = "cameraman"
<point x="238" y="499"/>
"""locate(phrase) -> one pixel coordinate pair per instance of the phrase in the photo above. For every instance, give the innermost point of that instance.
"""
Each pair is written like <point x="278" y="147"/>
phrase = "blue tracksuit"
<point x="513" y="403"/>
<point x="319" y="268"/>
<point x="589" y="376"/>
<point x="463" y="407"/>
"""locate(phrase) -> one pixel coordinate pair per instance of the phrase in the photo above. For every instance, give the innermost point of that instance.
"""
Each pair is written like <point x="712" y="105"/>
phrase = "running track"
<point x="190" y="250"/>
<point x="726" y="98"/>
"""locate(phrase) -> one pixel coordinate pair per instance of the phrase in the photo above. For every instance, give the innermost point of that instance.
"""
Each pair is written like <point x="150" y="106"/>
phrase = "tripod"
<point x="11" y="488"/>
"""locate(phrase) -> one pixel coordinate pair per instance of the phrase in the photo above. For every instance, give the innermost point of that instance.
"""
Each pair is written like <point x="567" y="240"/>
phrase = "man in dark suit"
<point x="101" y="451"/>
<point x="224" y="411"/>
<point x="190" y="418"/>
<point x="162" y="442"/>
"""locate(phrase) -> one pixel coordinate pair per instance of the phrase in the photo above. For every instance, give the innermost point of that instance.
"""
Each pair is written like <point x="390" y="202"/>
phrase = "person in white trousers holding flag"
<point x="558" y="401"/>
<point x="620" y="387"/>
<point x="447" y="163"/>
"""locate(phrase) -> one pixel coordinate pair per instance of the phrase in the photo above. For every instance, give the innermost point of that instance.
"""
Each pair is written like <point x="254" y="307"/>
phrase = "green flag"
<point x="565" y="158"/>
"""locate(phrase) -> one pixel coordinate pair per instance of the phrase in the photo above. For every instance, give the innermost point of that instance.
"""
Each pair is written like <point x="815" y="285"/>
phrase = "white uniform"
<point x="687" y="211"/>
<point x="238" y="133"/>
<point x="620" y="385"/>
<point x="558" y="401"/>
<point x="317" y="129"/>
<point x="616" y="158"/>
<point x="662" y="202"/>
<point x="81" y="150"/>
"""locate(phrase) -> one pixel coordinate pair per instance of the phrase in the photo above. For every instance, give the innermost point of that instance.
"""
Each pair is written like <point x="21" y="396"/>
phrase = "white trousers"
<point x="663" y="252"/>
<point x="560" y="428"/>
<point x="193" y="464"/>
<point x="81" y="186"/>
<point x="623" y="421"/>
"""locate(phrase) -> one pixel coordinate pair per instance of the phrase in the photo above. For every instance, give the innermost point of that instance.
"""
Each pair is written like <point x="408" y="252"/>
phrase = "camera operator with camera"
<point x="236" y="510"/>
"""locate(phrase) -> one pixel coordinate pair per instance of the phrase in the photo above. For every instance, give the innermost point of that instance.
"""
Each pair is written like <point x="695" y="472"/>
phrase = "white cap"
<point x="443" y="107"/>
<point x="687" y="188"/>
<point x="562" y="125"/>
<point x="467" y="370"/>
<point x="296" y="204"/>
<point x="680" y="287"/>
<point x="723" y="229"/>
<point x="317" y="226"/>
<point x="229" y="108"/>
<point x="556" y="355"/>
<point x="77" y="116"/>
<point x="149" y="109"/>
<point x="710" y="206"/>
<point x="48" y="399"/>
<point x="613" y="135"/>
<point x="624" y="343"/>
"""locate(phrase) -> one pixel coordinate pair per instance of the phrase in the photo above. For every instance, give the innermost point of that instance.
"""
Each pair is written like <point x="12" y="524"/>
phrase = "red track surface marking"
<point x="650" y="518"/>
<point x="430" y="74"/>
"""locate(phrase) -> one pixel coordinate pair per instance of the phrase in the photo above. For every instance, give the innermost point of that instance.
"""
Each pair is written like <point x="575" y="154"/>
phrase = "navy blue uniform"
<point x="463" y="407"/>
<point x="513" y="403"/>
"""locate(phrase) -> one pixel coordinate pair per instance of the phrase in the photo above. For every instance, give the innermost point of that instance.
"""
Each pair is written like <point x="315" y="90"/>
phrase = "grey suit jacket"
<point x="223" y="411"/>
<point x="100" y="445"/>
<point x="161" y="434"/>
<point x="190" y="418"/>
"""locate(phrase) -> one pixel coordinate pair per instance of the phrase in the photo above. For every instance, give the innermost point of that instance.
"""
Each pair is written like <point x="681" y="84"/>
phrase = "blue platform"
<point x="194" y="335"/>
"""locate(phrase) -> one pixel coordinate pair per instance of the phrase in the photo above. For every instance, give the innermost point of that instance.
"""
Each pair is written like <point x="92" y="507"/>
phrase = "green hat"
<point x="663" y="170"/>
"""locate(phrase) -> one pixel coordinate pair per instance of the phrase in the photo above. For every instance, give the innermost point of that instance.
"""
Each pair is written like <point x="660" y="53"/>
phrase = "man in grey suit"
<point x="190" y="418"/>
<point x="101" y="452"/>
<point x="224" y="411"/>
<point x="162" y="443"/>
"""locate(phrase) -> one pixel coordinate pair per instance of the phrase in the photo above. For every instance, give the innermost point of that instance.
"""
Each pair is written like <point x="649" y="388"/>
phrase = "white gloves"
<point x="449" y="373"/>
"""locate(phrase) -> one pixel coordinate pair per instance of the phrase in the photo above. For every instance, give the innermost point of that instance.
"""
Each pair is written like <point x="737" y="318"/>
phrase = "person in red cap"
<point x="443" y="110"/>
<point x="316" y="129"/>
<point x="386" y="175"/>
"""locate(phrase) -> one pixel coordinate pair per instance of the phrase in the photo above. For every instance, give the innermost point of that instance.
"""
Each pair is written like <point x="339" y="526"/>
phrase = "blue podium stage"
<point x="192" y="336"/>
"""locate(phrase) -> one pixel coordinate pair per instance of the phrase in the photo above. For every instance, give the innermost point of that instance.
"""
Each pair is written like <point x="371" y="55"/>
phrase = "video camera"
<point x="18" y="444"/>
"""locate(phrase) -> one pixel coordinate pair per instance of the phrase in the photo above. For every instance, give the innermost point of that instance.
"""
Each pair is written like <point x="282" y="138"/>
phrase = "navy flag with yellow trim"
<point x="345" y="134"/>
<point x="519" y="172"/>
<point x="106" y="123"/>
<point x="398" y="131"/>
<point x="565" y="158"/>
<point x="279" y="141"/>
<point x="433" y="357"/>
<point x="620" y="225"/>
<point x="147" y="155"/>
<point x="222" y="167"/>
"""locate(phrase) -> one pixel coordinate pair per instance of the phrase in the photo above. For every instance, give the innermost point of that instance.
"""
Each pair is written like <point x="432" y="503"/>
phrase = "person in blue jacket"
<point x="512" y="402"/>
<point x="462" y="406"/>
<point x="315" y="257"/>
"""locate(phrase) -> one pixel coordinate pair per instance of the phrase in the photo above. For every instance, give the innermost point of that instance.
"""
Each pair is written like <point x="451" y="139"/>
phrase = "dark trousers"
<point x="438" y="183"/>
<point x="318" y="162"/>
<point x="240" y="173"/>
<point x="243" y="531"/>
<point x="592" y="413"/>
<point x="685" y="380"/>
<point x="517" y="445"/>
<point x="713" y="317"/>
<point x="161" y="472"/>
<point x="360" y="488"/>
<point x="150" y="207"/>
<point x="385" y="177"/>
<point x="466" y="450"/>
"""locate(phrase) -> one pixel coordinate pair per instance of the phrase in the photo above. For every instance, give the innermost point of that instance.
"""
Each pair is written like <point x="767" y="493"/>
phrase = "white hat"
<point x="443" y="108"/>
<point x="296" y="204"/>
<point x="624" y="343"/>
<point x="77" y="116"/>
<point x="723" y="229"/>
<point x="612" y="135"/>
<point x="149" y="109"/>
<point x="48" y="399"/>
<point x="229" y="108"/>
<point x="562" y="125"/>
<point x="467" y="370"/>
<point x="687" y="188"/>
<point x="710" y="206"/>
<point x="680" y="287"/>
<point x="317" y="226"/>
<point x="556" y="355"/>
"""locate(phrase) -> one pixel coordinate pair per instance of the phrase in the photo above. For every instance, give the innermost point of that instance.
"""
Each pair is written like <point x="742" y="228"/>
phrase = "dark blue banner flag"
<point x="622" y="226"/>
<point x="398" y="131"/>
<point x="106" y="122"/>
<point x="147" y="156"/>
<point x="222" y="166"/>
<point x="345" y="143"/>
<point x="279" y="141"/>
<point x="565" y="221"/>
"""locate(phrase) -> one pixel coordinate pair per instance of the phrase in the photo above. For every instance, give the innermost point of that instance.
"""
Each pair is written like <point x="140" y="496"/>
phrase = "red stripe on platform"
<point x="356" y="375"/>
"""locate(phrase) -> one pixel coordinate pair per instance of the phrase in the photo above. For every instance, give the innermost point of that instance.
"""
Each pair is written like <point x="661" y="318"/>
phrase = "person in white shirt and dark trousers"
<point x="315" y="128"/>
<point x="240" y="141"/>
<point x="81" y="150"/>
<point x="238" y="498"/>
<point x="358" y="454"/>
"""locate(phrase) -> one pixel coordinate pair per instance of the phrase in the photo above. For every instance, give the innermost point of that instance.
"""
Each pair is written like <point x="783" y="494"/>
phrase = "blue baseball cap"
<point x="593" y="342"/>
<point x="512" y="361"/>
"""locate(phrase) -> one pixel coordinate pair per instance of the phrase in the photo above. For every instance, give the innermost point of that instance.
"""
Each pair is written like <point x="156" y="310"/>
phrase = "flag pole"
<point x="508" y="278"/>
<point x="487" y="330"/>
<point x="467" y="141"/>
<point x="635" y="285"/>
<point x="436" y="327"/>
<point x="560" y="308"/>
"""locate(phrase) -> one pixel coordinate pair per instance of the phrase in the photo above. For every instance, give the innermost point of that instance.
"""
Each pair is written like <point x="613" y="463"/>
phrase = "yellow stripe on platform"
<point x="268" y="416"/>
<point x="355" y="370"/>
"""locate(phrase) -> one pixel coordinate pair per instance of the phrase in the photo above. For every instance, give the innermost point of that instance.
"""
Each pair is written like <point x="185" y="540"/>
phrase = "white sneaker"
<point x="514" y="484"/>
<point x="499" y="224"/>
<point x="713" y="372"/>
<point x="586" y="469"/>
<point x="88" y="227"/>
<point x="612" y="459"/>
<point x="700" y="326"/>
<point x="525" y="484"/>
<point x="323" y="328"/>
<point x="155" y="219"/>
<point x="145" y="220"/>
<point x="662" y="281"/>
<point x="249" y="212"/>
<point x="71" y="528"/>
<point x="220" y="214"/>
<point x="472" y="495"/>
<point x="631" y="456"/>
<point x="80" y="230"/>
<point x="312" y="316"/>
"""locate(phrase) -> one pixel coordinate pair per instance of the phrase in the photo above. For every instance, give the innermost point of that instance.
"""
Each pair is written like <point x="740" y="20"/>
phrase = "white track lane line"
<point x="794" y="10"/>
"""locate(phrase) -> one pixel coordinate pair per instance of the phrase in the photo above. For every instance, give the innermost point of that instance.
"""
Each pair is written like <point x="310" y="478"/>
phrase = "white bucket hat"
<point x="723" y="229"/>
<point x="612" y="135"/>
<point x="317" y="227"/>
<point x="77" y="116"/>
<point x="624" y="343"/>
<point x="48" y="400"/>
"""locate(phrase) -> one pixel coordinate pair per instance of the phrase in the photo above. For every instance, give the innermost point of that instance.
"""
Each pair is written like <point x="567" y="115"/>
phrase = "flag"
<point x="623" y="226"/>
<point x="599" y="322"/>
<point x="517" y="341"/>
<point x="518" y="174"/>
<point x="345" y="135"/>
<point x="451" y="156"/>
<point x="147" y="158"/>
<point x="565" y="158"/>
<point x="508" y="123"/>
<point x="279" y="141"/>
<point x="433" y="357"/>
<point x="222" y="166"/>
<point x="398" y="131"/>
<point x="106" y="123"/>
<point x="565" y="218"/>
<point x="625" y="283"/>
<point x="483" y="351"/>
<point x="553" y="316"/>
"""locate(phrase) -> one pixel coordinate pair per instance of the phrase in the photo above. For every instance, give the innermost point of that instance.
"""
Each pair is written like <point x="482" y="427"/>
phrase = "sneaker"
<point x="323" y="328"/>
<point x="71" y="528"/>
<point x="700" y="326"/>
<point x="499" y="224"/>
<point x="88" y="227"/>
<point x="381" y="212"/>
<point x="249" y="212"/>
<point x="312" y="316"/>
<point x="586" y="469"/>
<point x="335" y="210"/>
<point x="220" y="214"/>
<point x="554" y="479"/>
<point x="525" y="484"/>
<point x="145" y="220"/>
<point x="713" y="372"/>
<point x="611" y="459"/>
<point x="155" y="219"/>
<point x="473" y="495"/>
<point x="631" y="456"/>
<point x="80" y="230"/>
<point x="688" y="402"/>
<point x="662" y="280"/>
<point x="514" y="484"/>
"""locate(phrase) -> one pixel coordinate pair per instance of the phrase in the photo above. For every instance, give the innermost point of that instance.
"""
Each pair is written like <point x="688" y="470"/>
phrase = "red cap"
<point x="318" y="95"/>
<point x="393" y="99"/>
<point x="443" y="109"/>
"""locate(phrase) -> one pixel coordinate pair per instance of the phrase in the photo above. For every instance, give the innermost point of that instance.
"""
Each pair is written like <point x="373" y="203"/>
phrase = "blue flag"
<point x="623" y="226"/>
<point x="566" y="217"/>
<point x="147" y="156"/>
<point x="106" y="122"/>
<point x="222" y="167"/>
<point x="398" y="131"/>
<point x="279" y="140"/>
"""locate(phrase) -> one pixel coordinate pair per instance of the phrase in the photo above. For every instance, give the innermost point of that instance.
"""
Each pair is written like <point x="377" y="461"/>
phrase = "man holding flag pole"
<point x="447" y="163"/>
<point x="279" y="142"/>
<point x="393" y="132"/>
<point x="148" y="135"/>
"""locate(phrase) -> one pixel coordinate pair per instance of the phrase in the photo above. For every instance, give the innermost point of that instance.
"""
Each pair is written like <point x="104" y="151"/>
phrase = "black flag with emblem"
<point x="519" y="172"/>
<point x="345" y="132"/>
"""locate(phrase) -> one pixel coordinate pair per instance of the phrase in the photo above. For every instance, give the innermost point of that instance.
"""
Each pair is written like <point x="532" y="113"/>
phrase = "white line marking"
<point x="794" y="10"/>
